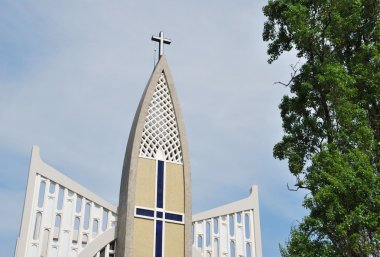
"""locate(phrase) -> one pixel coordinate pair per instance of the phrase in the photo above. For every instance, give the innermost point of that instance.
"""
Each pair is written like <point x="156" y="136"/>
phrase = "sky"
<point x="72" y="74"/>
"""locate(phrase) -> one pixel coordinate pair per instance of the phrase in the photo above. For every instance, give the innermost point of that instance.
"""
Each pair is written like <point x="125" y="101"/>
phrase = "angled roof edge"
<point x="251" y="202"/>
<point x="38" y="166"/>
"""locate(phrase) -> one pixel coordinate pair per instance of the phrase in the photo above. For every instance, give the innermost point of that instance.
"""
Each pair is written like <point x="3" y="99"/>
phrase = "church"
<point x="154" y="218"/>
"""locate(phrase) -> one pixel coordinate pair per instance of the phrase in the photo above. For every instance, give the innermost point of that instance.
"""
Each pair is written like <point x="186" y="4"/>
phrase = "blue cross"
<point x="158" y="214"/>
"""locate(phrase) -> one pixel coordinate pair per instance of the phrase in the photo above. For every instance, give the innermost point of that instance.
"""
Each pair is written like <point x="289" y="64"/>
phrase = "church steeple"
<point x="154" y="215"/>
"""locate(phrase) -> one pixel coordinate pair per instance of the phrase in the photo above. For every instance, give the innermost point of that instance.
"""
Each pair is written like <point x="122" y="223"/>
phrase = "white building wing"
<point x="230" y="230"/>
<point x="60" y="218"/>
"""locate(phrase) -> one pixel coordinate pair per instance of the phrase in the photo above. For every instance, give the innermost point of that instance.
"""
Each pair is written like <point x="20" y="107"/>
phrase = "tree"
<point x="331" y="121"/>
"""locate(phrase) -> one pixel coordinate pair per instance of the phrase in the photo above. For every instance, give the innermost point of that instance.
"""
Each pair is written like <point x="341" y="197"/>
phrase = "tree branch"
<point x="297" y="186"/>
<point x="292" y="75"/>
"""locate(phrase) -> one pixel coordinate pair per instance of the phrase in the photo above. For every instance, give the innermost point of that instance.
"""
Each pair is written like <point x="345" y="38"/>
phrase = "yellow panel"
<point x="145" y="182"/>
<point x="174" y="188"/>
<point x="174" y="240"/>
<point x="143" y="237"/>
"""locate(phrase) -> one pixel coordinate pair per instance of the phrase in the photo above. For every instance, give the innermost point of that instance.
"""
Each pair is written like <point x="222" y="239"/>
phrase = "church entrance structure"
<point x="154" y="218"/>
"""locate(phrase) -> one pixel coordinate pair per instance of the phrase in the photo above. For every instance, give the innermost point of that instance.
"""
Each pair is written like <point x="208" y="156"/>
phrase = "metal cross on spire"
<point x="162" y="41"/>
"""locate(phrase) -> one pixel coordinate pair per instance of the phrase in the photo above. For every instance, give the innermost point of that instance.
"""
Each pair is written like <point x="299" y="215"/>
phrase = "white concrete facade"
<point x="44" y="237"/>
<point x="229" y="230"/>
<point x="60" y="217"/>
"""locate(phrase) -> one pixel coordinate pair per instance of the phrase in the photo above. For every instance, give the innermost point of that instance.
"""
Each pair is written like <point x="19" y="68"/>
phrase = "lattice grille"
<point x="160" y="128"/>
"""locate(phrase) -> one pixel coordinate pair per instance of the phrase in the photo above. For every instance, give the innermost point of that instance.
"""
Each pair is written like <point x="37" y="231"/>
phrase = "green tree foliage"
<point x="331" y="121"/>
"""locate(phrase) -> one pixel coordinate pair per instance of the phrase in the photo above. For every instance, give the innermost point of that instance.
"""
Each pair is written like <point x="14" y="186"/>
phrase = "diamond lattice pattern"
<point x="160" y="128"/>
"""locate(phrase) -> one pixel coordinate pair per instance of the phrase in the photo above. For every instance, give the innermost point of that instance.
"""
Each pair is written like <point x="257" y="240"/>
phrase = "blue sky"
<point x="71" y="76"/>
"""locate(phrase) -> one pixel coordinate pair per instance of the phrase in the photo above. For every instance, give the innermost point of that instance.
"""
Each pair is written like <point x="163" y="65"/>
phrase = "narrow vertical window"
<point x="216" y="247"/>
<point x="87" y="210"/>
<point x="37" y="225"/>
<point x="224" y="218"/>
<point x="84" y="240"/>
<point x="192" y="232"/>
<point x="200" y="242"/>
<point x="78" y="207"/>
<point x="247" y="250"/>
<point x="112" y="246"/>
<point x="95" y="227"/>
<point x="246" y="225"/>
<point x="41" y="194"/>
<point x="104" y="220"/>
<point x="77" y="223"/>
<point x="208" y="234"/>
<point x="238" y="217"/>
<point x="45" y="243"/>
<point x="232" y="225"/>
<point x="160" y="184"/>
<point x="57" y="227"/>
<point x="159" y="238"/>
<point x="52" y="187"/>
<point x="76" y="230"/>
<point x="232" y="248"/>
<point x="60" y="198"/>
<point x="216" y="226"/>
<point x="57" y="223"/>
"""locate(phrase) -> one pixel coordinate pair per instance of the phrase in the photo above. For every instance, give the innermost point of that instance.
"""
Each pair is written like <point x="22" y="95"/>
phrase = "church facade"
<point x="154" y="218"/>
